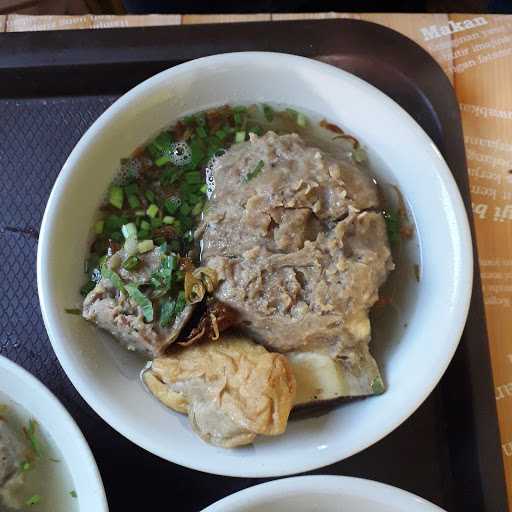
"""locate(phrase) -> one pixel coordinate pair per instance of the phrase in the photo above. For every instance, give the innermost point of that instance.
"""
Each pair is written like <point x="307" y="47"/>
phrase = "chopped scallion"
<point x="172" y="205"/>
<point x="220" y="134"/>
<point x="99" y="226"/>
<point x="141" y="300"/>
<point x="239" y="136"/>
<point x="167" y="312"/>
<point x="129" y="230"/>
<point x="72" y="311"/>
<point x="168" y="220"/>
<point x="133" y="201"/>
<point x="193" y="178"/>
<point x="268" y="112"/>
<point x="131" y="263"/>
<point x="145" y="246"/>
<point x="116" y="196"/>
<point x="113" y="277"/>
<point x="301" y="119"/>
<point x="33" y="500"/>
<point x="73" y="494"/>
<point x="145" y="225"/>
<point x="131" y="189"/>
<point x="180" y="303"/>
<point x="162" y="160"/>
<point x="257" y="170"/>
<point x="150" y="196"/>
<point x="156" y="222"/>
<point x="31" y="435"/>
<point x="185" y="209"/>
<point x="152" y="210"/>
<point x="198" y="208"/>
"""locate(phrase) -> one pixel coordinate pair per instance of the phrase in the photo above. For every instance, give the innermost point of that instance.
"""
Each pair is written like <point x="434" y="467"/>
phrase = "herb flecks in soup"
<point x="32" y="471"/>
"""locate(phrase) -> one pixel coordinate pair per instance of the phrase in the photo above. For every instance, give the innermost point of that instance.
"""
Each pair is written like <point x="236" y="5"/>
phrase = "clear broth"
<point x="48" y="476"/>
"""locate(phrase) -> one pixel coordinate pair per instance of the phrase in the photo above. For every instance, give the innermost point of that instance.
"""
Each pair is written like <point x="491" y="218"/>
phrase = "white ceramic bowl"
<point x="413" y="359"/>
<point x="322" y="494"/>
<point x="25" y="390"/>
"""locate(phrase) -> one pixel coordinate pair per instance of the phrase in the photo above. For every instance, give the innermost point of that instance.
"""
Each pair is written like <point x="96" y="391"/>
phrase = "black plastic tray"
<point x="53" y="85"/>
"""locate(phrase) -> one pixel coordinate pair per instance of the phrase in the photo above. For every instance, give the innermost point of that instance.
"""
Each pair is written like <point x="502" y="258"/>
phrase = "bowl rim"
<point x="329" y="484"/>
<point x="59" y="414"/>
<point x="463" y="284"/>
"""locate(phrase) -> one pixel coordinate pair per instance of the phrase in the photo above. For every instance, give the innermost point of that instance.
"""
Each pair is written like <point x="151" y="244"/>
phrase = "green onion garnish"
<point x="257" y="170"/>
<point x="378" y="386"/>
<point x="268" y="112"/>
<point x="129" y="230"/>
<point x="72" y="311"/>
<point x="141" y="300"/>
<point x="193" y="178"/>
<point x="392" y="219"/>
<point x="116" y="196"/>
<point x="167" y="312"/>
<point x="239" y="136"/>
<point x="113" y="277"/>
<point x="256" y="129"/>
<point x="185" y="209"/>
<point x="201" y="132"/>
<point x="172" y="205"/>
<point x="98" y="227"/>
<point x="180" y="303"/>
<point x="145" y="225"/>
<point x="73" y="494"/>
<point x="162" y="160"/>
<point x="133" y="201"/>
<point x="145" y="246"/>
<point x="301" y="119"/>
<point x="25" y="466"/>
<point x="156" y="222"/>
<point x="150" y="196"/>
<point x="203" y="188"/>
<point x="198" y="208"/>
<point x="33" y="500"/>
<point x="168" y="220"/>
<point x="197" y="151"/>
<point x="131" y="263"/>
<point x="152" y="210"/>
<point x="220" y="134"/>
<point x="131" y="189"/>
<point x="31" y="435"/>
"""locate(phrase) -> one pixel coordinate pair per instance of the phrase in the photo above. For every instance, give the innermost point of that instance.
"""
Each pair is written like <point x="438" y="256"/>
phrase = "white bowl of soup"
<point x="413" y="340"/>
<point x="322" y="493"/>
<point x="46" y="464"/>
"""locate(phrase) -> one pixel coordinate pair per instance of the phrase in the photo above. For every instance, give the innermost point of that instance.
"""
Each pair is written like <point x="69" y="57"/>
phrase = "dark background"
<point x="266" y="6"/>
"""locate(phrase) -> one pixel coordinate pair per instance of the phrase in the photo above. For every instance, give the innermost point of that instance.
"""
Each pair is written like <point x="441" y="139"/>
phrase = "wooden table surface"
<point x="475" y="51"/>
